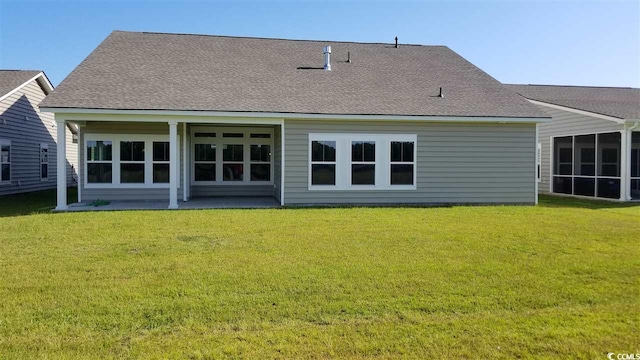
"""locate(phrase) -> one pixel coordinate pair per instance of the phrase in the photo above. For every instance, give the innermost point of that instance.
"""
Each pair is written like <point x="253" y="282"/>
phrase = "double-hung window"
<point x="205" y="162"/>
<point x="233" y="162"/>
<point x="260" y="162"/>
<point x="160" y="162"/>
<point x="99" y="161"/>
<point x="402" y="162"/>
<point x="362" y="161"/>
<point x="44" y="161"/>
<point x="132" y="162"/>
<point x="5" y="161"/>
<point x="323" y="162"/>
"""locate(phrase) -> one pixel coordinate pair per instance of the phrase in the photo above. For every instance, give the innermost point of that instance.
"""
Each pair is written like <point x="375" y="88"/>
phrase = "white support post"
<point x="61" y="162"/>
<point x="185" y="177"/>
<point x="282" y="163"/>
<point x="625" y="164"/>
<point x="537" y="159"/>
<point x="173" y="164"/>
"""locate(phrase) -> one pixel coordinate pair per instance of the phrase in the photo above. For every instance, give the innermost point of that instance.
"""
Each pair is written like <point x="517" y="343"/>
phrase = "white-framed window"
<point x="323" y="162"/>
<point x="362" y="161"/>
<point x="132" y="156"/>
<point x="5" y="161"/>
<point x="161" y="158"/>
<point x="402" y="162"/>
<point x="44" y="161"/>
<point x="127" y="161"/>
<point x="260" y="162"/>
<point x="231" y="156"/>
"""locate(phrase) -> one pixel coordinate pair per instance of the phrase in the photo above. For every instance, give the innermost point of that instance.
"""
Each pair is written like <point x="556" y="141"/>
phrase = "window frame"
<point x="44" y="146"/>
<point x="363" y="162"/>
<point x="344" y="162"/>
<point x="160" y="162"/>
<point x="145" y="150"/>
<point x="220" y="140"/>
<point x="6" y="143"/>
<point x="115" y="161"/>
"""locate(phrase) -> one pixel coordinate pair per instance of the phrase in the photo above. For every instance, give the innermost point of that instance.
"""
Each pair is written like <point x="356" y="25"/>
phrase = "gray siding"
<point x="26" y="127"/>
<point x="566" y="123"/>
<point x="128" y="128"/>
<point x="456" y="163"/>
<point x="277" y="162"/>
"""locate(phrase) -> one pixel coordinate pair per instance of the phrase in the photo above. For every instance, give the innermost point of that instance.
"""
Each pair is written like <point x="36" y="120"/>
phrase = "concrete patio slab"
<point x="193" y="204"/>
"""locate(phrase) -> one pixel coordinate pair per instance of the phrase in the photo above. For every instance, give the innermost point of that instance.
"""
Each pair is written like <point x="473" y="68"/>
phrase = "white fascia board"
<point x="46" y="84"/>
<point x="261" y="117"/>
<point x="577" y="111"/>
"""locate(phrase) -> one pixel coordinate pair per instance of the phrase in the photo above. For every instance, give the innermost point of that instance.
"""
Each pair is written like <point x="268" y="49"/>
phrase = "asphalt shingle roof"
<point x="622" y="103"/>
<point x="152" y="71"/>
<point x="11" y="79"/>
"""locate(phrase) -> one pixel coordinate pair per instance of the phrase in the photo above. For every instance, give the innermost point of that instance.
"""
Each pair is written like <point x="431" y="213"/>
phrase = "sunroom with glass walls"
<point x="587" y="165"/>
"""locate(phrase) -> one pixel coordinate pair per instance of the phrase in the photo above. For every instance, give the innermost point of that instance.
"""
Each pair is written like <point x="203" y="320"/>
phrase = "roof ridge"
<point x="23" y="70"/>
<point x="268" y="38"/>
<point x="580" y="86"/>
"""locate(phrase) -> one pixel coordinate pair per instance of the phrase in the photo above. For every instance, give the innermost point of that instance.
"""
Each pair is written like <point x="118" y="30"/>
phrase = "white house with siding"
<point x="591" y="147"/>
<point x="28" y="136"/>
<point x="174" y="117"/>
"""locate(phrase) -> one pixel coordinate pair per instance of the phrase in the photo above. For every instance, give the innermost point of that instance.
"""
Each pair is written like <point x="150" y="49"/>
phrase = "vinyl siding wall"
<point x="91" y="194"/>
<point x="277" y="162"/>
<point x="456" y="163"/>
<point x="566" y="123"/>
<point x="26" y="127"/>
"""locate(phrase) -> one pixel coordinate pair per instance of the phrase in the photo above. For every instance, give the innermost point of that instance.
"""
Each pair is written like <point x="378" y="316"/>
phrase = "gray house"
<point x="174" y="117"/>
<point x="28" y="136"/>
<point x="592" y="145"/>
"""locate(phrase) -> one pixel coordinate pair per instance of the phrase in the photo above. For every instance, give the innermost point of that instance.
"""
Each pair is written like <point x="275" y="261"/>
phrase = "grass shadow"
<point x="36" y="202"/>
<point x="554" y="201"/>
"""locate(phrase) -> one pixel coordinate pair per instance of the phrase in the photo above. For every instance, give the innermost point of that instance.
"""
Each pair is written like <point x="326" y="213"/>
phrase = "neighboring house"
<point x="171" y="116"/>
<point x="28" y="136"/>
<point x="592" y="145"/>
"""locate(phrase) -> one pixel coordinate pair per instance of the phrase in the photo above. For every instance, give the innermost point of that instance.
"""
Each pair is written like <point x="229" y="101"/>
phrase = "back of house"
<point x="591" y="148"/>
<point x="27" y="135"/>
<point x="172" y="117"/>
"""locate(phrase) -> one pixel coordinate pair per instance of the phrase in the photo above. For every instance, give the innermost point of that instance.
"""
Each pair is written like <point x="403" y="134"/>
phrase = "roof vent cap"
<point x="327" y="57"/>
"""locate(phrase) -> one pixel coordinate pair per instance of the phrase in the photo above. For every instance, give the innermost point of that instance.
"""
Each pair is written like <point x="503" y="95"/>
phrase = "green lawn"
<point x="559" y="280"/>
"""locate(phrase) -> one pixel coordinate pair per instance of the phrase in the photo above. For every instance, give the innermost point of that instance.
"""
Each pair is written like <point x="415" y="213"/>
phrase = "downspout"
<point x="627" y="134"/>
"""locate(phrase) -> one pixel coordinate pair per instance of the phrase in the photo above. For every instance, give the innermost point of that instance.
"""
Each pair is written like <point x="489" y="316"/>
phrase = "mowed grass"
<point x="559" y="280"/>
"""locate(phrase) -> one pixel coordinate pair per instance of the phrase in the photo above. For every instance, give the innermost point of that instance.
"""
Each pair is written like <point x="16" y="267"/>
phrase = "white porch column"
<point x="61" y="162"/>
<point x="173" y="164"/>
<point x="624" y="164"/>
<point x="185" y="163"/>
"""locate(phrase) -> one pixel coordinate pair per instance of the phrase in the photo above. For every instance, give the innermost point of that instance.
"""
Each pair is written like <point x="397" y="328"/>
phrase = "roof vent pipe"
<point x="348" y="56"/>
<point x="396" y="42"/>
<point x="441" y="94"/>
<point x="327" y="57"/>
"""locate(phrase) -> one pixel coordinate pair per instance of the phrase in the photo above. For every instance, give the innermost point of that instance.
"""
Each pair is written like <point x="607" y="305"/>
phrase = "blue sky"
<point x="536" y="42"/>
